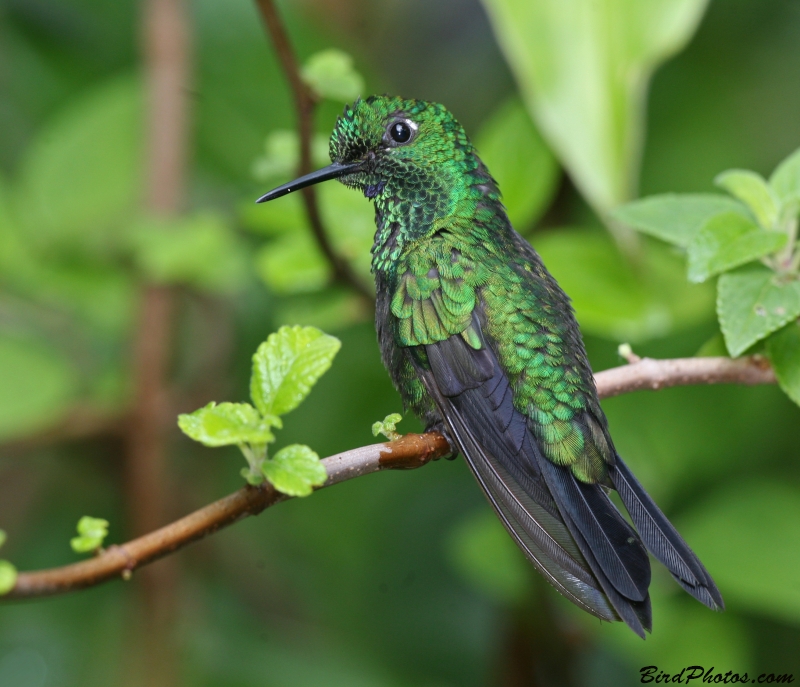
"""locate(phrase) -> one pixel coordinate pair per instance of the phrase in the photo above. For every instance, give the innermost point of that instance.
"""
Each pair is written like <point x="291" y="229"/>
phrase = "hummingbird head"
<point x="386" y="144"/>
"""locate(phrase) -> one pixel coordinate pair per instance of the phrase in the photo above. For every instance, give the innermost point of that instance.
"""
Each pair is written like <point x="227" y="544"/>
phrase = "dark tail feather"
<point x="663" y="540"/>
<point x="610" y="539"/>
<point x="637" y="615"/>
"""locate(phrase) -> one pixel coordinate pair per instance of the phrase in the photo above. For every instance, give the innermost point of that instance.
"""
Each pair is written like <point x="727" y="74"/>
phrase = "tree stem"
<point x="408" y="452"/>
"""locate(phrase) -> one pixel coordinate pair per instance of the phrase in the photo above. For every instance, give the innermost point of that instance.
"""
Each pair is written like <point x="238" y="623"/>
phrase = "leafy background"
<point x="392" y="579"/>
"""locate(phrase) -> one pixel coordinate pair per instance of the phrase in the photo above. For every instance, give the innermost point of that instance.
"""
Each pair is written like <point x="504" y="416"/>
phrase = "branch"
<point x="410" y="451"/>
<point x="304" y="103"/>
<point x="647" y="374"/>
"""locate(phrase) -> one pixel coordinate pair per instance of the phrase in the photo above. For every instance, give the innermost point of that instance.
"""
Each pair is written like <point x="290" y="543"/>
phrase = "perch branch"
<point x="410" y="451"/>
<point x="647" y="374"/>
<point x="304" y="103"/>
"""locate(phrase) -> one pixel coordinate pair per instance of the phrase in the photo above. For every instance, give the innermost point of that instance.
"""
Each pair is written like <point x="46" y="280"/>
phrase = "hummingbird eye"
<point x="400" y="132"/>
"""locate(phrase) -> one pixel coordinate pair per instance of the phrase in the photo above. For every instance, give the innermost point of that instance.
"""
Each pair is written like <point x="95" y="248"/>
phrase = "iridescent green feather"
<point x="438" y="199"/>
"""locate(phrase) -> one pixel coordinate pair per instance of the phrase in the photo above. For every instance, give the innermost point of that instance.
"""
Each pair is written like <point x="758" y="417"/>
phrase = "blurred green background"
<point x="395" y="579"/>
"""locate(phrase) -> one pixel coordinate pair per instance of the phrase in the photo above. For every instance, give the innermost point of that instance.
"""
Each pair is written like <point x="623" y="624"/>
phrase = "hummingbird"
<point x="482" y="344"/>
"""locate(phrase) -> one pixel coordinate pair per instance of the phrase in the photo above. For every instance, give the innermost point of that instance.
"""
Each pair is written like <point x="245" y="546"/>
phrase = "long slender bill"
<point x="332" y="171"/>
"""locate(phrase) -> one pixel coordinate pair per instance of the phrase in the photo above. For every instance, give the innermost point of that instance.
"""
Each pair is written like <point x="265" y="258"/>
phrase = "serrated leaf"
<point x="91" y="533"/>
<point x="729" y="240"/>
<point x="675" y="218"/>
<point x="519" y="160"/>
<point x="226" y="424"/>
<point x="783" y="348"/>
<point x="752" y="302"/>
<point x="754" y="192"/>
<point x="583" y="68"/>
<point x="756" y="562"/>
<point x="330" y="74"/>
<point x="8" y="577"/>
<point x="387" y="426"/>
<point x="287" y="365"/>
<point x="92" y="527"/>
<point x="200" y="250"/>
<point x="295" y="470"/>
<point x="785" y="180"/>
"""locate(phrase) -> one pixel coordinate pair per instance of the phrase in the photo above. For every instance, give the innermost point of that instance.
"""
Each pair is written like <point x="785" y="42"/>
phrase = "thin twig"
<point x="410" y="451"/>
<point x="305" y="103"/>
<point x="649" y="374"/>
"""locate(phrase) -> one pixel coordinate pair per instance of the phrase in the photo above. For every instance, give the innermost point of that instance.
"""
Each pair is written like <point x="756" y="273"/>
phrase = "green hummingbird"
<point x="483" y="345"/>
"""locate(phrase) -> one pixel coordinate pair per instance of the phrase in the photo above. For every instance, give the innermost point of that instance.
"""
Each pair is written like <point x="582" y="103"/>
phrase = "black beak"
<point x="332" y="171"/>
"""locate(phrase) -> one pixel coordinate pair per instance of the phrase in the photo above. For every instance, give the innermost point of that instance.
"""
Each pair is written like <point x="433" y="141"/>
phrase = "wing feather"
<point x="476" y="399"/>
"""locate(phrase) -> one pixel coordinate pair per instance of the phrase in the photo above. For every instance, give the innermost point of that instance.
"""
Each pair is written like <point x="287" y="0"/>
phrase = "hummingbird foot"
<point x="439" y="426"/>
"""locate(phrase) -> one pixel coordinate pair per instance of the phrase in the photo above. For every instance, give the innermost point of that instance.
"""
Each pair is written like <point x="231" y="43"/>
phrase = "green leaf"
<point x="583" y="67"/>
<point x="295" y="470"/>
<point x="229" y="423"/>
<point x="519" y="160"/>
<point x="91" y="533"/>
<point x="8" y="577"/>
<point x="287" y="365"/>
<point x="618" y="300"/>
<point x="293" y="264"/>
<point x="92" y="527"/>
<point x="481" y="550"/>
<point x="387" y="427"/>
<point x="83" y="173"/>
<point x="752" y="302"/>
<point x="783" y="348"/>
<point x="729" y="240"/>
<point x="202" y="251"/>
<point x="754" y="192"/>
<point x="37" y="386"/>
<point x="330" y="74"/>
<point x="675" y="218"/>
<point x="756" y="562"/>
<point x="785" y="180"/>
<point x="3" y="537"/>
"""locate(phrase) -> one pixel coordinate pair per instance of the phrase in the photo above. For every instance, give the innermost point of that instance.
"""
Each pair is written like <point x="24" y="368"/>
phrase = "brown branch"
<point x="649" y="374"/>
<point x="305" y="103"/>
<point x="408" y="452"/>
